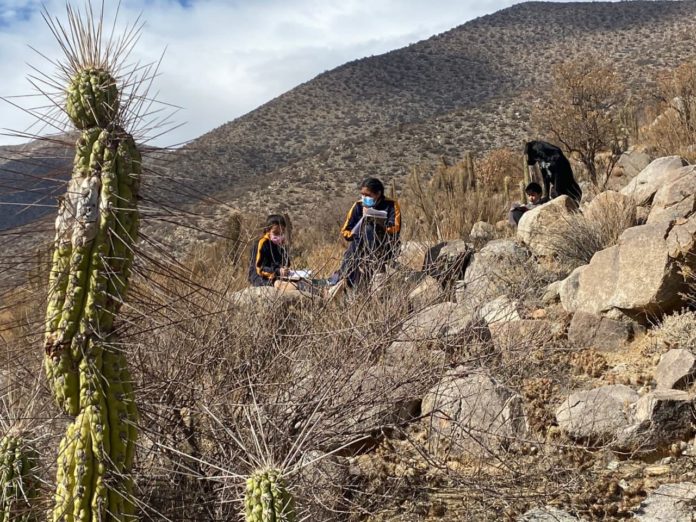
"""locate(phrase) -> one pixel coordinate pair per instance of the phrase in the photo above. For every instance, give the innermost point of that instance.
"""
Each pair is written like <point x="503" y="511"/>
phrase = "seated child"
<point x="534" y="199"/>
<point x="269" y="256"/>
<point x="372" y="229"/>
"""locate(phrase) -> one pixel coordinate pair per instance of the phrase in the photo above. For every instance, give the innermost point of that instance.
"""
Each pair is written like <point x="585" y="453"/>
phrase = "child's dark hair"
<point x="532" y="188"/>
<point x="373" y="185"/>
<point x="274" y="219"/>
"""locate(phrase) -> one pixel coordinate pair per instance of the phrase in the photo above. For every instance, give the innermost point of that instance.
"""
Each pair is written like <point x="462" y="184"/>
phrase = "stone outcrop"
<point x="601" y="333"/>
<point x="640" y="277"/>
<point x="473" y="415"/>
<point x="597" y="415"/>
<point x="539" y="227"/>
<point x="669" y="503"/>
<point x="675" y="369"/>
<point x="643" y="187"/>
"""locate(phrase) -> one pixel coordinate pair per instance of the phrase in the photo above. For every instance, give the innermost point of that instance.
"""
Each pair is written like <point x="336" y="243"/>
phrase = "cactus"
<point x="18" y="481"/>
<point x="507" y="181"/>
<point x="267" y="498"/>
<point x="96" y="227"/>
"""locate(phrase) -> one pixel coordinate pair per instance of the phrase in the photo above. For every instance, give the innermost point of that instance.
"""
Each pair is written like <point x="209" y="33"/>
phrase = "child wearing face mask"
<point x="269" y="255"/>
<point x="372" y="242"/>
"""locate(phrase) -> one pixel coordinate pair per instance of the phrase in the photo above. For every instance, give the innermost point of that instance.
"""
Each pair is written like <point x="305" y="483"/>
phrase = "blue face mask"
<point x="368" y="201"/>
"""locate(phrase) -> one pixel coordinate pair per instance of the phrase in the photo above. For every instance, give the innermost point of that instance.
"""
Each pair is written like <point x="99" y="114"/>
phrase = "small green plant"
<point x="267" y="498"/>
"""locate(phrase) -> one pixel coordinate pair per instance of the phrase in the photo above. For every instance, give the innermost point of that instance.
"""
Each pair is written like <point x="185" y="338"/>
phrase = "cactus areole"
<point x="96" y="228"/>
<point x="267" y="498"/>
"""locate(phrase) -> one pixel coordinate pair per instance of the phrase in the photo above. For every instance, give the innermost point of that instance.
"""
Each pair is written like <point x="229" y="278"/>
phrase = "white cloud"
<point x="224" y="58"/>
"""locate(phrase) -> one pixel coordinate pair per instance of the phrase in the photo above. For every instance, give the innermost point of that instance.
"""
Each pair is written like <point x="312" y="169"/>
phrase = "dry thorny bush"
<point x="224" y="386"/>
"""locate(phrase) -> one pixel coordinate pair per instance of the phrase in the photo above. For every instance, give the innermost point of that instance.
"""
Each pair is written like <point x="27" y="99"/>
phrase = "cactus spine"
<point x="267" y="498"/>
<point x="18" y="481"/>
<point x="96" y="227"/>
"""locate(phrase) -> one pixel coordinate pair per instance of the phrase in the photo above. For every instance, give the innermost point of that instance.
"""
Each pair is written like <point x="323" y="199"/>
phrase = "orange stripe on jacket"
<point x="396" y="227"/>
<point x="345" y="231"/>
<point x="265" y="275"/>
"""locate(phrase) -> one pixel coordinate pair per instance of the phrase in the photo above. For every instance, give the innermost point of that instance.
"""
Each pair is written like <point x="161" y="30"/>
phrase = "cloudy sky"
<point x="225" y="57"/>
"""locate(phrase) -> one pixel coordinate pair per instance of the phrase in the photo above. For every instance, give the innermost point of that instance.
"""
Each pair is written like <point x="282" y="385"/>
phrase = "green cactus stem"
<point x="96" y="228"/>
<point x="267" y="498"/>
<point x="19" y="483"/>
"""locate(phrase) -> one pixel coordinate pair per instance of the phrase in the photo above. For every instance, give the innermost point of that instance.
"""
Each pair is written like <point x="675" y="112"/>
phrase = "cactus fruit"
<point x="18" y="481"/>
<point x="267" y="498"/>
<point x="96" y="228"/>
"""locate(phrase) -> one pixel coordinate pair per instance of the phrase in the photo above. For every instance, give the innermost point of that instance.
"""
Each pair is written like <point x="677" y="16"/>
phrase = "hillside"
<point x="470" y="88"/>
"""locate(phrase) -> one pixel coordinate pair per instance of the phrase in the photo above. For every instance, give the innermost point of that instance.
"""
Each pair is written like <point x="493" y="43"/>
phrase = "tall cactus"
<point x="19" y="483"/>
<point x="96" y="228"/>
<point x="267" y="498"/>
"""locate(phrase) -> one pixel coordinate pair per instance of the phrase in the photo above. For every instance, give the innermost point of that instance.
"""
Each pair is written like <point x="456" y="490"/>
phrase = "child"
<point x="269" y="255"/>
<point x="372" y="229"/>
<point x="534" y="199"/>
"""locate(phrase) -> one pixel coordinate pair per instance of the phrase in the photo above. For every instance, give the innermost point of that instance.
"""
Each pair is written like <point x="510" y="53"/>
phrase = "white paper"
<point x="300" y="274"/>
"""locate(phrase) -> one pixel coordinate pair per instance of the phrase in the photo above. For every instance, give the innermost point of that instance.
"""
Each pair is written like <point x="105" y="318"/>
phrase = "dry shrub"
<point x="673" y="130"/>
<point x="498" y="164"/>
<point x="445" y="204"/>
<point x="578" y="236"/>
<point x="677" y="330"/>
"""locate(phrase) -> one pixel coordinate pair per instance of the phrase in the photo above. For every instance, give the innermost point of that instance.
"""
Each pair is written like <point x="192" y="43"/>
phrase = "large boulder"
<point x="473" y="415"/>
<point x="602" y="333"/>
<point x="598" y="414"/>
<point x="611" y="208"/>
<point x="448" y="261"/>
<point x="413" y="254"/>
<point x="643" y="187"/>
<point x="482" y="231"/>
<point x="426" y="293"/>
<point x="541" y="227"/>
<point x="440" y="321"/>
<point x="675" y="199"/>
<point x="675" y="369"/>
<point x="490" y="272"/>
<point x="632" y="162"/>
<point x="500" y="310"/>
<point x="669" y="503"/>
<point x="640" y="277"/>
<point x="658" y="419"/>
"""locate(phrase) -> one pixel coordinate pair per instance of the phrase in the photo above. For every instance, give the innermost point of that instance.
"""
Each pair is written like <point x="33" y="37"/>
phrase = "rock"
<point x="524" y="335"/>
<point x="447" y="262"/>
<point x="440" y="321"/>
<point x="538" y="228"/>
<point x="669" y="503"/>
<point x="642" y="214"/>
<point x="643" y="187"/>
<point x="568" y="289"/>
<point x="675" y="368"/>
<point x="547" y="514"/>
<point x="641" y="276"/>
<point x="597" y="414"/>
<point x="502" y="309"/>
<point x="658" y="419"/>
<point x="612" y="207"/>
<point x="473" y="415"/>
<point x="408" y="354"/>
<point x="413" y="254"/>
<point x="676" y="199"/>
<point x="482" y="231"/>
<point x="490" y="272"/>
<point x="264" y="297"/>
<point x="604" y="334"/>
<point x="552" y="293"/>
<point x="428" y="292"/>
<point x="632" y="162"/>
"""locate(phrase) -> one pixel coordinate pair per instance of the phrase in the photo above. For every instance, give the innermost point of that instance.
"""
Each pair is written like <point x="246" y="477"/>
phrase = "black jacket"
<point x="393" y="224"/>
<point x="266" y="260"/>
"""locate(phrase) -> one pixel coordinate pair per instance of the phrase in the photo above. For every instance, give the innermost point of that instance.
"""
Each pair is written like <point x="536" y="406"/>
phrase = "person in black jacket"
<point x="269" y="255"/>
<point x="555" y="169"/>
<point x="373" y="241"/>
